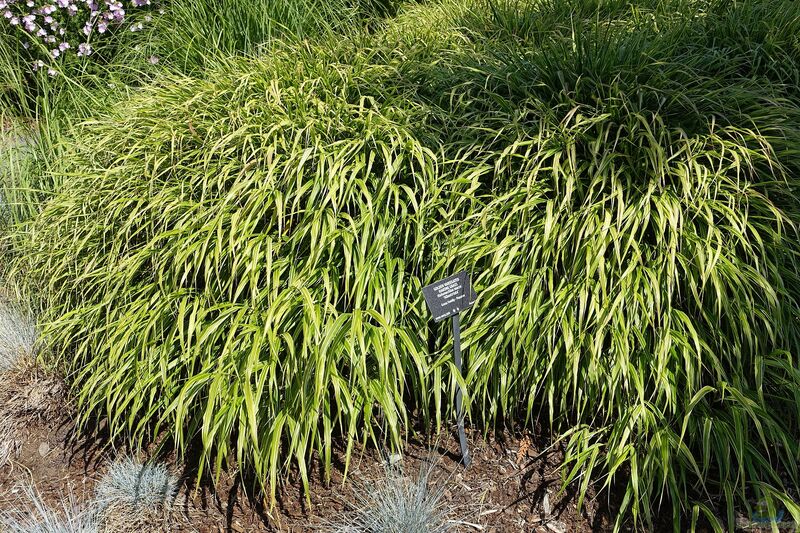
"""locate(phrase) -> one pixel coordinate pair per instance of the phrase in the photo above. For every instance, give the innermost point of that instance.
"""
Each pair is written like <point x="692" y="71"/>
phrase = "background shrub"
<point x="195" y="34"/>
<point x="42" y="40"/>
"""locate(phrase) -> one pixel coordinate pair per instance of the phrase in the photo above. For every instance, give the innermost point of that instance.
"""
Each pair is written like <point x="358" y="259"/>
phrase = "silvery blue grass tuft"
<point x="17" y="334"/>
<point x="399" y="504"/>
<point x="138" y="487"/>
<point x="37" y="517"/>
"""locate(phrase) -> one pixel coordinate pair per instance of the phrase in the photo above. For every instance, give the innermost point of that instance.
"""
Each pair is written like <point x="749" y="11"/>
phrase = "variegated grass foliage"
<point x="313" y="290"/>
<point x="237" y="259"/>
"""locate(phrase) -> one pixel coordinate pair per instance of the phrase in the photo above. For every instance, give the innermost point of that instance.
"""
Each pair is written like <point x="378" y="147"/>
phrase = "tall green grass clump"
<point x="237" y="259"/>
<point x="269" y="214"/>
<point x="194" y="35"/>
<point x="629" y="212"/>
<point x="12" y="73"/>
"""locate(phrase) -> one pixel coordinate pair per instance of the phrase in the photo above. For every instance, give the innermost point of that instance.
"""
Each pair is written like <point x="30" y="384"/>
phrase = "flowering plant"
<point x="54" y="29"/>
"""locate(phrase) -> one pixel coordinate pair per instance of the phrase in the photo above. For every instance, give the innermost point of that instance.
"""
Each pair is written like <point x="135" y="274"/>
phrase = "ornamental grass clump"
<point x="399" y="503"/>
<point x="18" y="335"/>
<point x="631" y="221"/>
<point x="283" y="258"/>
<point x="135" y="496"/>
<point x="37" y="517"/>
<point x="236" y="260"/>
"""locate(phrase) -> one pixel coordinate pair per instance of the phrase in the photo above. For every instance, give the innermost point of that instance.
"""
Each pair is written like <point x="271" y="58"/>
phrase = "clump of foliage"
<point x="136" y="487"/>
<point x="73" y="39"/>
<point x="18" y="333"/>
<point x="135" y="496"/>
<point x="237" y="259"/>
<point x="399" y="503"/>
<point x="37" y="517"/>
<point x="313" y="291"/>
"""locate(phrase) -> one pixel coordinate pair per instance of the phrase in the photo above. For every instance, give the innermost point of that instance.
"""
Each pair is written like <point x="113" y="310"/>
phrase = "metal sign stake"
<point x="462" y="434"/>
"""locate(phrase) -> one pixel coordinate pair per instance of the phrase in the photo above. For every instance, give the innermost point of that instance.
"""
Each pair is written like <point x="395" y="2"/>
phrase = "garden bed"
<point x="223" y="244"/>
<point x="512" y="485"/>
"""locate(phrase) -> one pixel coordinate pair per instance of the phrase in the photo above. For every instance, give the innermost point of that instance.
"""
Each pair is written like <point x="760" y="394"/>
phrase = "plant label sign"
<point x="446" y="299"/>
<point x="449" y="296"/>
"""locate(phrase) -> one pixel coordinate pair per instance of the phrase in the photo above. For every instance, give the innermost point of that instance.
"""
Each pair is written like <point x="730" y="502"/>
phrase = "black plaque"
<point x="449" y="296"/>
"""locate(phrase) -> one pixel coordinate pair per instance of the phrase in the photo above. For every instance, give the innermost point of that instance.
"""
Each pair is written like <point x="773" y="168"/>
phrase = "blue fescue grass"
<point x="35" y="516"/>
<point x="400" y="502"/>
<point x="18" y="334"/>
<point x="137" y="487"/>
